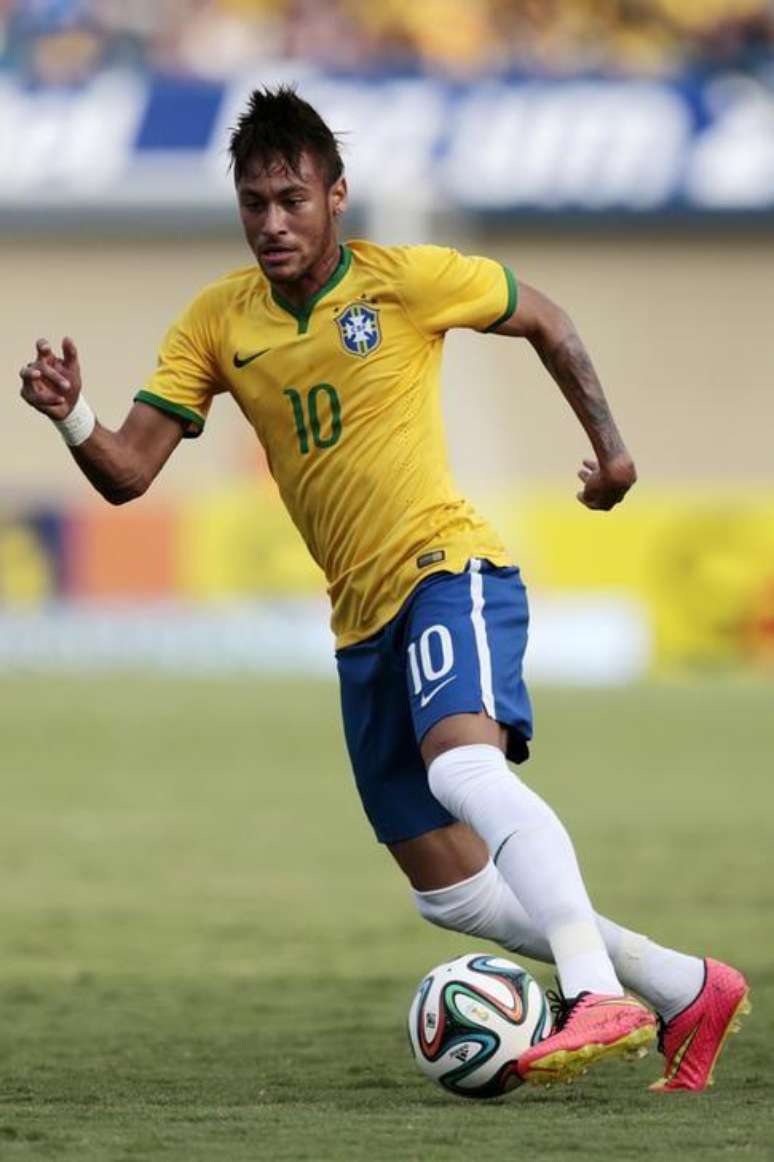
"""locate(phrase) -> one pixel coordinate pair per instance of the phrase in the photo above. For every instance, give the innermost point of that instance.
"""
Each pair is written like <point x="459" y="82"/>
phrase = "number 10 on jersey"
<point x="306" y="413"/>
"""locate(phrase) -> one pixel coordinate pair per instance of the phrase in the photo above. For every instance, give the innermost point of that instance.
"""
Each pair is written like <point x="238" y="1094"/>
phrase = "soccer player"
<point x="332" y="352"/>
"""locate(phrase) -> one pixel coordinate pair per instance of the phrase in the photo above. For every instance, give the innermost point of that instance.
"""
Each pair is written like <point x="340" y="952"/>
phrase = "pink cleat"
<point x="586" y="1029"/>
<point x="692" y="1041"/>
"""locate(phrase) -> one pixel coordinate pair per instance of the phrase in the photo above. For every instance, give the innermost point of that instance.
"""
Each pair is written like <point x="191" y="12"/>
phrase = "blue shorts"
<point x="455" y="647"/>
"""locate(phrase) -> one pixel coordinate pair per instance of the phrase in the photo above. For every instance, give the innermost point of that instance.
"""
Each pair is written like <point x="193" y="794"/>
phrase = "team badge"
<point x="359" y="329"/>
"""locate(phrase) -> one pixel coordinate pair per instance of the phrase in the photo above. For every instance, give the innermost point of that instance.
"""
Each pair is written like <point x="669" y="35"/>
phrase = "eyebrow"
<point x="293" y="188"/>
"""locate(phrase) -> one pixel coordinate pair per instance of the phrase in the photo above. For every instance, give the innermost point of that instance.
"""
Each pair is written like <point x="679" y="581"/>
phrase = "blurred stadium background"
<point x="617" y="153"/>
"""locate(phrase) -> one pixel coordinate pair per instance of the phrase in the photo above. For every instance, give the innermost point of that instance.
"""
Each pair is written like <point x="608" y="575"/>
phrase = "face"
<point x="289" y="217"/>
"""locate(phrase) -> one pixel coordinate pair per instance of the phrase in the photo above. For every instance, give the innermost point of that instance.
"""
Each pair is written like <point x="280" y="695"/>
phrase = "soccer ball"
<point x="471" y="1020"/>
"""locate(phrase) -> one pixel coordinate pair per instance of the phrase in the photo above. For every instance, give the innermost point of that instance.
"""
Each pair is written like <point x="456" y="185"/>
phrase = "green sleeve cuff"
<point x="173" y="409"/>
<point x="513" y="298"/>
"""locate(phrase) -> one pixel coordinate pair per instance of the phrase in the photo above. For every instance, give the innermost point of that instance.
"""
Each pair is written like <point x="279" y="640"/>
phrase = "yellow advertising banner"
<point x="27" y="573"/>
<point x="240" y="542"/>
<point x="702" y="564"/>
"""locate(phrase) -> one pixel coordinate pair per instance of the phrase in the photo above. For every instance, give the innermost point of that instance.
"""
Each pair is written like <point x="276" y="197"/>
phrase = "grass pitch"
<point x="205" y="956"/>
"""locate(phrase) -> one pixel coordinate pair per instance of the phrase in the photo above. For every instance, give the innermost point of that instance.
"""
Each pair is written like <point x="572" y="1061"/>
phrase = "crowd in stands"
<point x="68" y="41"/>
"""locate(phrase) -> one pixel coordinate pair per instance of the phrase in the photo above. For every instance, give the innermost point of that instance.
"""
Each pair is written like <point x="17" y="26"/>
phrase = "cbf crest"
<point x="359" y="329"/>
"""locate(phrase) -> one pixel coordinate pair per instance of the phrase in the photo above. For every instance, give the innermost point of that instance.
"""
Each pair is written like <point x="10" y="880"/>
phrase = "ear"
<point x="338" y="196"/>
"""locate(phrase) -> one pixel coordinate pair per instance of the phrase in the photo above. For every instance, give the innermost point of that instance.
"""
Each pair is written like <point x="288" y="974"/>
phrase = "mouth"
<point x="275" y="255"/>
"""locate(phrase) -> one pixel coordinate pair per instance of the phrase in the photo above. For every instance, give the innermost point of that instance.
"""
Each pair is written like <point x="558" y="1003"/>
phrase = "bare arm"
<point x="549" y="329"/>
<point x="121" y="465"/>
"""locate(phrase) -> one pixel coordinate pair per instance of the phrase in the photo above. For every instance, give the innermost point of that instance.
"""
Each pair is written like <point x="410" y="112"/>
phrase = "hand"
<point x="49" y="384"/>
<point x="606" y="485"/>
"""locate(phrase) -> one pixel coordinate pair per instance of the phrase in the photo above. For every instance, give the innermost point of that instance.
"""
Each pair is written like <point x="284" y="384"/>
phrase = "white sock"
<point x="535" y="857"/>
<point x="668" y="980"/>
<point x="484" y="906"/>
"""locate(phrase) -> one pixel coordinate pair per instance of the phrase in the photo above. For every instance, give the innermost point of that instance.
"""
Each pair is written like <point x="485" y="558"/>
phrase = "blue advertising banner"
<point x="580" y="145"/>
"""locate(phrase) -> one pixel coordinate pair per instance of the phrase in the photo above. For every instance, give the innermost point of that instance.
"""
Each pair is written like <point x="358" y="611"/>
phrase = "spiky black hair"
<point x="279" y="125"/>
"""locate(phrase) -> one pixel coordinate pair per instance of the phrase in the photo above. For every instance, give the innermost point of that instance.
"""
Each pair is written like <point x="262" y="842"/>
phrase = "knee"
<point x="468" y="906"/>
<point x="475" y="784"/>
<point x="457" y="776"/>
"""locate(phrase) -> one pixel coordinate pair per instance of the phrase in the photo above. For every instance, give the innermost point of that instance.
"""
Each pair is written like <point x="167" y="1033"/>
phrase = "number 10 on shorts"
<point x="431" y="658"/>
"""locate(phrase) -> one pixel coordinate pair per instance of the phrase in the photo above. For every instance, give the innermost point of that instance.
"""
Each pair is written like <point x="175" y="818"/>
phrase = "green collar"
<point x="304" y="314"/>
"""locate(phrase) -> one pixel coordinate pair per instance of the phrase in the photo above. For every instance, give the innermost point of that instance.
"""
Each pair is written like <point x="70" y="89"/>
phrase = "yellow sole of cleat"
<point x="743" y="1009"/>
<point x="566" y="1064"/>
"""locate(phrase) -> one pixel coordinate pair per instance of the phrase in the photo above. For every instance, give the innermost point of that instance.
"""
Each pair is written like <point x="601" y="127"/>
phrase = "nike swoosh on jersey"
<point x="423" y="701"/>
<point x="244" y="362"/>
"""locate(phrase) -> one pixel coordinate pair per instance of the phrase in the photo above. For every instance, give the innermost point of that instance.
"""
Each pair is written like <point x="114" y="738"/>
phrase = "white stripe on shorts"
<point x="479" y="632"/>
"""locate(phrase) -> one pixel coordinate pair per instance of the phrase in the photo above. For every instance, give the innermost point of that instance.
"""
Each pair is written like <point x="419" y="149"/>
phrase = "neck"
<point x="301" y="290"/>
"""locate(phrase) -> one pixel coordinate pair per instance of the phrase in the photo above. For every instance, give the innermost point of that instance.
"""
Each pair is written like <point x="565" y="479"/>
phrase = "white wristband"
<point x="78" y="426"/>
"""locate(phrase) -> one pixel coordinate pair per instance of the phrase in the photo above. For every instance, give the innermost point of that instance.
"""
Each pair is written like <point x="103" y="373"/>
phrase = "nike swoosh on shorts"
<point x="423" y="701"/>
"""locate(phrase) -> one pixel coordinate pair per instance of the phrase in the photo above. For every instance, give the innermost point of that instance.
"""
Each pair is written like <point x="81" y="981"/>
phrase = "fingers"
<point x="44" y="351"/>
<point x="35" y="377"/>
<point x="596" y="503"/>
<point x="37" y="389"/>
<point x="53" y="375"/>
<point x="46" y="381"/>
<point x="599" y="492"/>
<point x="44" y="375"/>
<point x="587" y="471"/>
<point x="69" y="351"/>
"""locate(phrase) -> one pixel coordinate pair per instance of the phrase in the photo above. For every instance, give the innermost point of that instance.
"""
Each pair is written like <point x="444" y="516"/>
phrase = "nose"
<point x="274" y="221"/>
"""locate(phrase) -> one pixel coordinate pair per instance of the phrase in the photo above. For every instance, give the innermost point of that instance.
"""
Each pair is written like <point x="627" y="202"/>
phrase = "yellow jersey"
<point x="344" y="396"/>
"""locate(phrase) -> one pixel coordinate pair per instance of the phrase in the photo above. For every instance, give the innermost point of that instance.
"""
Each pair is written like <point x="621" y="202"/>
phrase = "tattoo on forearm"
<point x="569" y="364"/>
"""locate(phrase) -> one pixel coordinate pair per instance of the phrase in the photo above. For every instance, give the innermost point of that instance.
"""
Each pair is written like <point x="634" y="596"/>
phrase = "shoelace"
<point x="562" y="1007"/>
